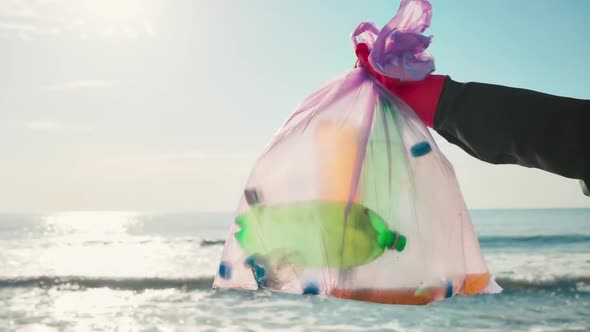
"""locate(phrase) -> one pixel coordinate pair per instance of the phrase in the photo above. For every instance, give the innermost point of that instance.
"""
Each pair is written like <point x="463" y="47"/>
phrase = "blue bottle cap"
<point x="258" y="271"/>
<point x="224" y="270"/>
<point x="250" y="261"/>
<point x="311" y="289"/>
<point x="449" y="292"/>
<point x="420" y="149"/>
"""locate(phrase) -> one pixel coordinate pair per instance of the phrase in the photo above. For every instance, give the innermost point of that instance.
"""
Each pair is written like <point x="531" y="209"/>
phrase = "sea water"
<point x="125" y="271"/>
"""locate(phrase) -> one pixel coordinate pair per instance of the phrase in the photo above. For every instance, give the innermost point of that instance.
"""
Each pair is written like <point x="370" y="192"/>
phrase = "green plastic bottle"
<point x="316" y="234"/>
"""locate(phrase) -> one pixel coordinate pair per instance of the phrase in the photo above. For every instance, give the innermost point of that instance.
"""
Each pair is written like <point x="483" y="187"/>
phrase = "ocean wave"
<point x="203" y="243"/>
<point x="574" y="284"/>
<point x="536" y="240"/>
<point x="136" y="284"/>
<point x="498" y="241"/>
<point x="207" y="243"/>
<point x="569" y="284"/>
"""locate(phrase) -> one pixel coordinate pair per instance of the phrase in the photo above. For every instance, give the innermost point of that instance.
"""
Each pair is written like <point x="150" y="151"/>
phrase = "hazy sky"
<point x="163" y="105"/>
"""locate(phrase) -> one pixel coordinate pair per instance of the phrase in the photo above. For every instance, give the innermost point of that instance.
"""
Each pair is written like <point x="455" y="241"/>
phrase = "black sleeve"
<point x="504" y="125"/>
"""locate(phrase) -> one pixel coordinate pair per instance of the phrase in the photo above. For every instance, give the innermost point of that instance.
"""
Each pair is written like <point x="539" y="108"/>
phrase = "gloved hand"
<point x="421" y="96"/>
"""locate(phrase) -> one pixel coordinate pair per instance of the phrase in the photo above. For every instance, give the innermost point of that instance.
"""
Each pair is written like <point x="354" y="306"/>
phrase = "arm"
<point x="503" y="125"/>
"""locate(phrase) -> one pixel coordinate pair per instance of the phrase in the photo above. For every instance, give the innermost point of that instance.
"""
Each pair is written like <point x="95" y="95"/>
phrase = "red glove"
<point x="421" y="96"/>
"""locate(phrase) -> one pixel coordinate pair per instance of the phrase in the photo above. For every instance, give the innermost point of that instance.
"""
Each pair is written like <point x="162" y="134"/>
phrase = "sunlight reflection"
<point x="96" y="243"/>
<point x="110" y="245"/>
<point x="96" y="307"/>
<point x="90" y="222"/>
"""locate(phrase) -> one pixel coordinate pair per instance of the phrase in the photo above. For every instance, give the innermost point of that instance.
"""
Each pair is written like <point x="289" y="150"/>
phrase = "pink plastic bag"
<point x="352" y="198"/>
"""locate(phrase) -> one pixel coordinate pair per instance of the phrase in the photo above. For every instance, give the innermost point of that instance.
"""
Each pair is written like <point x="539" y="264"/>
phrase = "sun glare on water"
<point x="90" y="222"/>
<point x="92" y="244"/>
